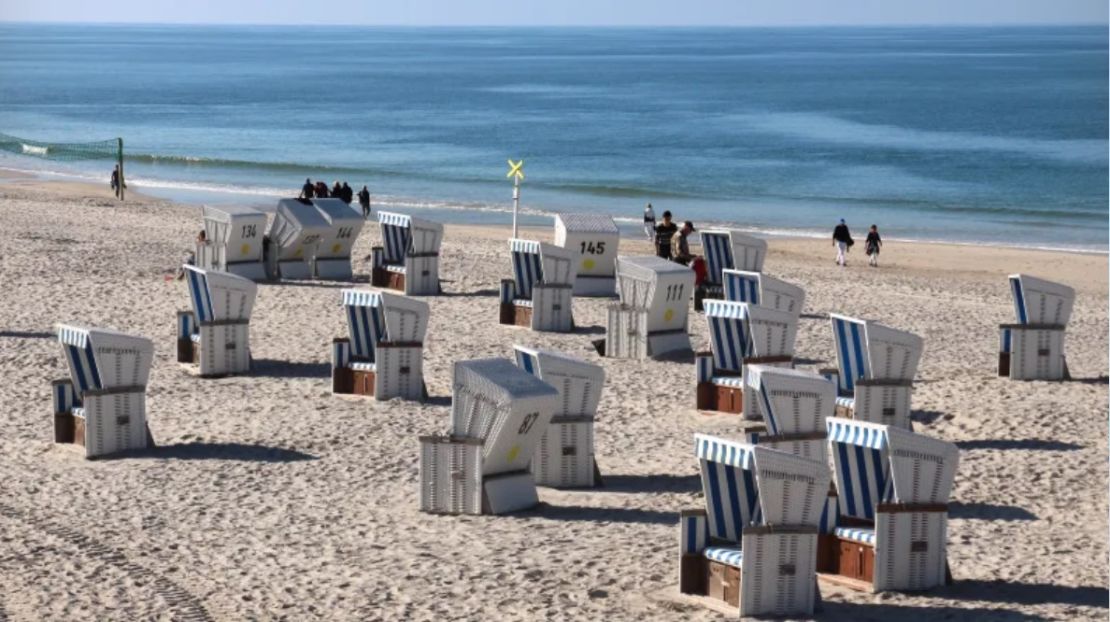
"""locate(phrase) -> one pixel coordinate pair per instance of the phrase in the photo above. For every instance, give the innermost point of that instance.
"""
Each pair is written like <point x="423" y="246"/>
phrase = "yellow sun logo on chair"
<point x="588" y="264"/>
<point x="514" y="452"/>
<point x="245" y="249"/>
<point x="335" y="248"/>
<point x="668" y="315"/>
<point x="299" y="253"/>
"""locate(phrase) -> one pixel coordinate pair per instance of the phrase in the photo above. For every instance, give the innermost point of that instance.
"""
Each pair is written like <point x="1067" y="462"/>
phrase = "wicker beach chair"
<point x="565" y="456"/>
<point x="875" y="370"/>
<point x="233" y="241"/>
<point x="215" y="335"/>
<point x="383" y="354"/>
<point x="101" y="407"/>
<point x="408" y="261"/>
<point x="593" y="240"/>
<point x="754" y="546"/>
<point x="761" y="289"/>
<point x="499" y="412"/>
<point x="892" y="521"/>
<point x="650" y="320"/>
<point x="1033" y="347"/>
<point x="726" y="249"/>
<point x="332" y="258"/>
<point x="740" y="334"/>
<point x="539" y="294"/>
<point x="295" y="233"/>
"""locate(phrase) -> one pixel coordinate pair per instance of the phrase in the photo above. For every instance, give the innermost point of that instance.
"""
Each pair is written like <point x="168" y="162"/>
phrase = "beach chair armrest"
<point x="703" y="365"/>
<point x="508" y="291"/>
<point x="693" y="528"/>
<point x="64" y="395"/>
<point x="340" y="353"/>
<point x="186" y="324"/>
<point x="377" y="257"/>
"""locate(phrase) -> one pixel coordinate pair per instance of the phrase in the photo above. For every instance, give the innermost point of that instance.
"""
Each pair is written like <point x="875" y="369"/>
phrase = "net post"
<point x="119" y="161"/>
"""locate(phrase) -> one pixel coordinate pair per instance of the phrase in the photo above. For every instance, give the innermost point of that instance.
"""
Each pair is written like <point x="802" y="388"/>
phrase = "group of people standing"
<point x="671" y="241"/>
<point x="343" y="192"/>
<point x="842" y="240"/>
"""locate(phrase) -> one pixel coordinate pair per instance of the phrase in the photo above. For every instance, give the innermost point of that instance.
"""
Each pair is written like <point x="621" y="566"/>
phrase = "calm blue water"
<point x="967" y="134"/>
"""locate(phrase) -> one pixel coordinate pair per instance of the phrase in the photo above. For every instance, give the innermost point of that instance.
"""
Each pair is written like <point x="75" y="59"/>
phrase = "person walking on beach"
<point x="115" y="182"/>
<point x="664" y="231"/>
<point x="682" y="244"/>
<point x="307" y="190"/>
<point x="649" y="223"/>
<point x="364" y="201"/>
<point x="872" y="246"/>
<point x="842" y="240"/>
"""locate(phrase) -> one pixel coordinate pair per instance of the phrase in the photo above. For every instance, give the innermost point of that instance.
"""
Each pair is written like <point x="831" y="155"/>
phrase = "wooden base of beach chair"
<point x="716" y="398"/>
<point x="1004" y="364"/>
<point x="70" y="430"/>
<point x="380" y="277"/>
<point x="362" y="382"/>
<point x="343" y="380"/>
<point x="713" y="580"/>
<point x="513" y="315"/>
<point x="185" y="351"/>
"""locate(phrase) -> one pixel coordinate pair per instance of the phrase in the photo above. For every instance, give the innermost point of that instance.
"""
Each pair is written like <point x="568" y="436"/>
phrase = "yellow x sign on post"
<point x="516" y="169"/>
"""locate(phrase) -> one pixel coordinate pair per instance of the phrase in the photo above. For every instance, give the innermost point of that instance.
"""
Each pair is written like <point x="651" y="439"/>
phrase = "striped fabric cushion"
<point x="732" y="556"/>
<point x="522" y="302"/>
<point x="390" y="267"/>
<point x="79" y="412"/>
<point x="736" y="382"/>
<point x="856" y="534"/>
<point x="847" y="402"/>
<point x="362" y="366"/>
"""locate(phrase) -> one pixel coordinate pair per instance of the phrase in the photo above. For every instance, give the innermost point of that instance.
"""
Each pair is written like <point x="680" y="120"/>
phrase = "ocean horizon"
<point x="978" y="135"/>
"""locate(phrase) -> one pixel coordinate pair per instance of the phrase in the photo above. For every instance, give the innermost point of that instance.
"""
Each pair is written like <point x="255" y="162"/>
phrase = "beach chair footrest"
<point x="362" y="381"/>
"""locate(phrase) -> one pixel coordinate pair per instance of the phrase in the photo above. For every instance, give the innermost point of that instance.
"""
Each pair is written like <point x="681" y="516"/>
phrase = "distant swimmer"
<point x="842" y="240"/>
<point x="872" y="246"/>
<point x="649" y="222"/>
<point x="364" y="201"/>
<point x="308" y="191"/>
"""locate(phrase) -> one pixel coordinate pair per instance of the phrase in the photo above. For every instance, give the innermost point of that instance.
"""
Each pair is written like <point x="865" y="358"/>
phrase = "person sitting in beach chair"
<point x="893" y="488"/>
<point x="499" y="412"/>
<point x="875" y="370"/>
<point x="383" y="354"/>
<point x="754" y="545"/>
<point x="650" y="321"/>
<point x="740" y="334"/>
<point x="215" y="335"/>
<point x="408" y="260"/>
<point x="565" y="456"/>
<point x="761" y="289"/>
<point x="727" y="249"/>
<point x="1033" y="347"/>
<point x="540" y="293"/>
<point x="101" y="407"/>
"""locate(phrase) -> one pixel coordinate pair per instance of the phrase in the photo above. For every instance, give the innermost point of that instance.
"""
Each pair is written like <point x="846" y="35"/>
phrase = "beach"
<point x="269" y="498"/>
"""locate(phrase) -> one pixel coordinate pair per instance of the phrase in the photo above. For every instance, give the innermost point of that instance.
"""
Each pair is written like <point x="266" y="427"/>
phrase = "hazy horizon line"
<point x="1014" y="24"/>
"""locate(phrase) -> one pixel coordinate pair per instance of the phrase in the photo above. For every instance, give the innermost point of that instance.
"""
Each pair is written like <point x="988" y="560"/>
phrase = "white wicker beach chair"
<point x="215" y="335"/>
<point x="102" y="405"/>
<point x="1033" y="347"/>
<point x="499" y="412"/>
<point x="540" y="293"/>
<point x="592" y="239"/>
<point x="409" y="260"/>
<point x="760" y="289"/>
<point x="740" y="334"/>
<point x="793" y="405"/>
<point x="754" y="546"/>
<point x="565" y="456"/>
<point x="234" y="241"/>
<point x="332" y="258"/>
<point x="893" y="489"/>
<point x="875" y="370"/>
<point x="651" y="318"/>
<point x="296" y="231"/>
<point x="726" y="249"/>
<point x="383" y="354"/>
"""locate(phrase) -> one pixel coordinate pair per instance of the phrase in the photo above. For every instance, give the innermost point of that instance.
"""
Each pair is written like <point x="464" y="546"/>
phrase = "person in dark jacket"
<point x="321" y="190"/>
<point x="664" y="231"/>
<point x="348" y="194"/>
<point x="308" y="191"/>
<point x="842" y="240"/>
<point x="872" y="246"/>
<point x="364" y="201"/>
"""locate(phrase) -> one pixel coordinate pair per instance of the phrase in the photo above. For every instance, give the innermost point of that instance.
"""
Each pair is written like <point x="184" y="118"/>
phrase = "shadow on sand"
<point x="19" y="334"/>
<point x="1018" y="443"/>
<point x="988" y="511"/>
<point x="239" y="452"/>
<point x="651" y="483"/>
<point x="289" y="369"/>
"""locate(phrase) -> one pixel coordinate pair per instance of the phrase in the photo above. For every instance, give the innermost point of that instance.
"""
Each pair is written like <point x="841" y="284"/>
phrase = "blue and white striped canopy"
<point x="527" y="266"/>
<point x="729" y="337"/>
<point x="717" y="248"/>
<point x="365" y="322"/>
<point x="396" y="235"/>
<point x="104" y="359"/>
<point x="731" y="494"/>
<point x="742" y="286"/>
<point x="850" y="335"/>
<point x="199" y="293"/>
<point x="861" y="466"/>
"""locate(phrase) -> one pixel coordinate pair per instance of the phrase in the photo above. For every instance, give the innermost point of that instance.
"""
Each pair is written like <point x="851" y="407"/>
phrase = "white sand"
<point x="269" y="498"/>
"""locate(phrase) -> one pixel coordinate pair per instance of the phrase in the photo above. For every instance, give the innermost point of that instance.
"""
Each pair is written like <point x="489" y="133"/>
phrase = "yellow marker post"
<point x="516" y="173"/>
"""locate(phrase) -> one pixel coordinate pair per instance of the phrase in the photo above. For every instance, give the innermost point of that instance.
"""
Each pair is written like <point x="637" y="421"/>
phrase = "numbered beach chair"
<point x="294" y="235"/>
<point x="215" y="335"/>
<point x="565" y="455"/>
<point x="767" y="291"/>
<point x="754" y="546"/>
<point x="875" y="370"/>
<point x="740" y="334"/>
<point x="539" y="294"/>
<point x="727" y="249"/>
<point x="101" y="407"/>
<point x="893" y="490"/>
<point x="332" y="257"/>
<point x="383" y="354"/>
<point x="499" y="412"/>
<point x="592" y="239"/>
<point x="234" y="241"/>
<point x="650" y="321"/>
<point x="409" y="260"/>
<point x="1033" y="347"/>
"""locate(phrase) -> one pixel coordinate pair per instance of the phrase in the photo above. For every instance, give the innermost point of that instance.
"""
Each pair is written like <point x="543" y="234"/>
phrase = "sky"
<point x="562" y="12"/>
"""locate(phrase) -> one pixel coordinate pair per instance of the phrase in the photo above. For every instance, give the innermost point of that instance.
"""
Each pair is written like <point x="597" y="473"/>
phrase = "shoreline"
<point x="186" y="193"/>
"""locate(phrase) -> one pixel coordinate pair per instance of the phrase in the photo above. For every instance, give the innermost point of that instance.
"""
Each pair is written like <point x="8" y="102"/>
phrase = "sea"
<point x="978" y="135"/>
